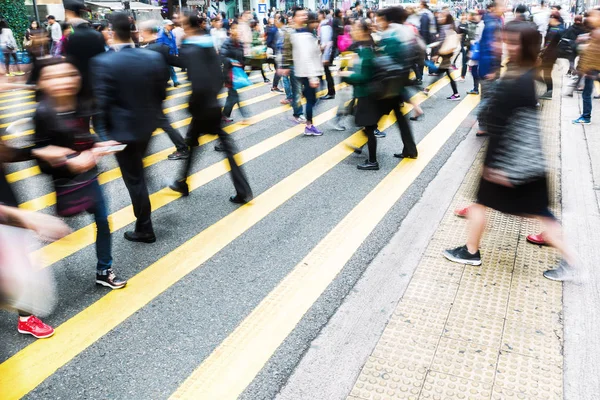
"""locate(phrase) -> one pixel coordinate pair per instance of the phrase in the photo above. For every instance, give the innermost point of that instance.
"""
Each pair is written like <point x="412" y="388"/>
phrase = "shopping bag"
<point x="431" y="67"/>
<point x="23" y="285"/>
<point x="239" y="78"/>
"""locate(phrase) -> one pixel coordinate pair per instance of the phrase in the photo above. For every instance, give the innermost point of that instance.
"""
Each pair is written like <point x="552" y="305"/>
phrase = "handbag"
<point x="450" y="44"/>
<point x="475" y="53"/>
<point x="76" y="195"/>
<point x="239" y="78"/>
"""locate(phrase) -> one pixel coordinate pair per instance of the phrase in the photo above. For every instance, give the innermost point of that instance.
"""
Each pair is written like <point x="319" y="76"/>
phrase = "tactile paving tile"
<point x="432" y="292"/>
<point x="543" y="342"/>
<point x="464" y="324"/>
<point x="406" y="346"/>
<point x="420" y="316"/>
<point x="381" y="379"/>
<point x="440" y="386"/>
<point x="466" y="360"/>
<point x="528" y="376"/>
<point x="491" y="300"/>
<point x="534" y="260"/>
<point x="529" y="304"/>
<point x="438" y="268"/>
<point x="492" y="276"/>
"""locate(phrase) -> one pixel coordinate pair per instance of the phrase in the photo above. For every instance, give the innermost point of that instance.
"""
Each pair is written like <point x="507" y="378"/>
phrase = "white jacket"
<point x="7" y="38"/>
<point x="307" y="55"/>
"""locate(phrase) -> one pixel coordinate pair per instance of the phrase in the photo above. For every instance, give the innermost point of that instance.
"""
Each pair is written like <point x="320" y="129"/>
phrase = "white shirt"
<point x="55" y="32"/>
<point x="179" y="35"/>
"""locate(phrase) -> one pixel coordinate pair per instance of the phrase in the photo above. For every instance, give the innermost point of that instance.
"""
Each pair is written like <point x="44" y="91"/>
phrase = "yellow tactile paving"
<point x="466" y="332"/>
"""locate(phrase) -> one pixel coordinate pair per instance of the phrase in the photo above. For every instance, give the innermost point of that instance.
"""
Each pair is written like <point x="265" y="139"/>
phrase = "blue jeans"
<point x="588" y="89"/>
<point x="287" y="86"/>
<point x="296" y="95"/>
<point x="103" y="239"/>
<point x="173" y="74"/>
<point x="311" y="97"/>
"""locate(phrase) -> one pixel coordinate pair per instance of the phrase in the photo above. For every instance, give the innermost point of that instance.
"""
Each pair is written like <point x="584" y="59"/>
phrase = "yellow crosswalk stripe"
<point x="42" y="358"/>
<point x="233" y="365"/>
<point x="15" y="93"/>
<point x="17" y="99"/>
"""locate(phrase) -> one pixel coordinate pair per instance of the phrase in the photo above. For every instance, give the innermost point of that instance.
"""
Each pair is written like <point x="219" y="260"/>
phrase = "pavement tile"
<point x="463" y="324"/>
<point x="420" y="316"/>
<point x="443" y="386"/>
<point x="382" y="379"/>
<point x="466" y="360"/>
<point x="519" y="374"/>
<point x="407" y="346"/>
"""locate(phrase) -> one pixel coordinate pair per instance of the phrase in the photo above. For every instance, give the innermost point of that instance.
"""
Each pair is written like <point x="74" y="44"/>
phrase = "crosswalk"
<point x="245" y="276"/>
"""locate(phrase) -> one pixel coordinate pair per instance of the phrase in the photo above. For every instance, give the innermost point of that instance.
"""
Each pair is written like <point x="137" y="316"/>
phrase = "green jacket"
<point x="363" y="73"/>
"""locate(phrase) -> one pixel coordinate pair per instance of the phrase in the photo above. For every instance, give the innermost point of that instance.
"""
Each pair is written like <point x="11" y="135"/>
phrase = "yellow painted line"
<point x="17" y="99"/>
<point x="28" y="103"/>
<point x="232" y="366"/>
<point x="15" y="93"/>
<point x="42" y="358"/>
<point x="14" y="114"/>
<point x="115" y="173"/>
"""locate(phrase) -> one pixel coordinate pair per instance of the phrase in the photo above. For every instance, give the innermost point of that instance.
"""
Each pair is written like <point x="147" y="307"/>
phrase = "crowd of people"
<point x="96" y="76"/>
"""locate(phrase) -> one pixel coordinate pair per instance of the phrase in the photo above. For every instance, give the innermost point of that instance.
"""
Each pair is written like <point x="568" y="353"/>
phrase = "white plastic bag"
<point x="23" y="285"/>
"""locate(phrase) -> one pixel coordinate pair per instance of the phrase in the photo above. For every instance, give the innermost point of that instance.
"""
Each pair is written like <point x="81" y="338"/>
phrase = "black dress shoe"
<point x="328" y="97"/>
<point x="416" y="117"/>
<point x="401" y="156"/>
<point x="368" y="166"/>
<point x="176" y="84"/>
<point x="180" y="187"/>
<point x="219" y="148"/>
<point x="237" y="199"/>
<point x="133" y="236"/>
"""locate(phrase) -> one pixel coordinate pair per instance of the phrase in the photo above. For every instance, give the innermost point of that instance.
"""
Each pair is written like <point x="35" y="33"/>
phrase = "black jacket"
<point x="203" y="64"/>
<point x="129" y="86"/>
<point x="231" y="50"/>
<point x="164" y="51"/>
<point x="84" y="44"/>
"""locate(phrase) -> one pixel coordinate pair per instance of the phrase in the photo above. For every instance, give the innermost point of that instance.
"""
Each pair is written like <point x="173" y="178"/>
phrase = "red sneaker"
<point x="462" y="212"/>
<point x="33" y="326"/>
<point x="537" y="239"/>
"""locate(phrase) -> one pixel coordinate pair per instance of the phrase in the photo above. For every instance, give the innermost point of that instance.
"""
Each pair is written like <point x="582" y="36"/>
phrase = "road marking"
<point x="42" y="358"/>
<point x="233" y="365"/>
<point x="17" y="99"/>
<point x="15" y="93"/>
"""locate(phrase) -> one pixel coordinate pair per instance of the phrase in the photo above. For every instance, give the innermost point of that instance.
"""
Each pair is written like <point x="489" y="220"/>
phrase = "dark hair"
<point x="121" y="26"/>
<point x="51" y="17"/>
<point x="295" y="10"/>
<point x="398" y="15"/>
<point x="364" y="25"/>
<point x="529" y="39"/>
<point x="521" y="9"/>
<point x="31" y="24"/>
<point x="424" y="4"/>
<point x="337" y="12"/>
<point x="312" y="17"/>
<point x="3" y="25"/>
<point x="283" y="19"/>
<point x="64" y="25"/>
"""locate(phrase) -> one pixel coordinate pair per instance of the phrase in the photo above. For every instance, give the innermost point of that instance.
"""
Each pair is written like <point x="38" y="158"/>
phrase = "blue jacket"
<point x="489" y="62"/>
<point x="168" y="38"/>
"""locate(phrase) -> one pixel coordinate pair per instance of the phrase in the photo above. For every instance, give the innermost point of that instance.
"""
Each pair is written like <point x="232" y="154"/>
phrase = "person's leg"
<point x="103" y="237"/>
<point x="439" y="75"/>
<point x="132" y="169"/>
<point x="7" y="63"/>
<point x="465" y="59"/>
<point x="547" y="69"/>
<point x="475" y="73"/>
<point x="371" y="142"/>
<point x="409" y="146"/>
<point x="276" y="80"/>
<point x="287" y="87"/>
<point x="232" y="100"/>
<point x="330" y="81"/>
<point x="476" y="218"/>
<point x="242" y="187"/>
<point x="173" y="75"/>
<point x="262" y="72"/>
<point x="311" y="99"/>
<point x="452" y="82"/>
<point x="553" y="236"/>
<point x="296" y="93"/>
<point x="586" y="96"/>
<point x="14" y="56"/>
<point x="173" y="134"/>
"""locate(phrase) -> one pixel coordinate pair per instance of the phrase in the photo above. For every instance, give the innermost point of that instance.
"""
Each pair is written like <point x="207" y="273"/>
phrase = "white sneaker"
<point x="460" y="79"/>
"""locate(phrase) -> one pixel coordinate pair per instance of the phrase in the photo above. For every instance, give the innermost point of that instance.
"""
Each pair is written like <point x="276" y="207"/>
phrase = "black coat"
<point x="203" y="64"/>
<point x="165" y="51"/>
<point x="84" y="44"/>
<point x="129" y="87"/>
<point x="231" y="50"/>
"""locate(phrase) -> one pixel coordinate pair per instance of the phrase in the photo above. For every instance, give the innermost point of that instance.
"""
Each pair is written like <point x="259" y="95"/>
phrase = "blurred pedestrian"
<point x="450" y="41"/>
<point x="204" y="70"/>
<point x="514" y="174"/>
<point x="8" y="45"/>
<point x="589" y="65"/>
<point x="60" y="50"/>
<point x="55" y="31"/>
<point x="550" y="52"/>
<point x="326" y="43"/>
<point x="232" y="55"/>
<point x="368" y="110"/>
<point x="35" y="43"/>
<point x="61" y="121"/>
<point x="167" y="37"/>
<point x="121" y="78"/>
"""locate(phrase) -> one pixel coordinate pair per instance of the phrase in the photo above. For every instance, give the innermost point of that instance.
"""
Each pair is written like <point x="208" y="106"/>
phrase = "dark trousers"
<point x="330" y="81"/>
<point x="7" y="57"/>
<point x="103" y="237"/>
<point x="418" y="69"/>
<point x="233" y="98"/>
<point x="476" y="79"/>
<point x="210" y="122"/>
<point x="441" y="72"/>
<point x="132" y="169"/>
<point x="174" y="135"/>
<point x="369" y="131"/>
<point x="547" y="72"/>
<point x="410" y="148"/>
<point x="311" y="97"/>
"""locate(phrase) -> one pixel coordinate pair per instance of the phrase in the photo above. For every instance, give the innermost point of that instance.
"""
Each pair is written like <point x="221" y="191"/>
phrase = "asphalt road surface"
<point x="217" y="279"/>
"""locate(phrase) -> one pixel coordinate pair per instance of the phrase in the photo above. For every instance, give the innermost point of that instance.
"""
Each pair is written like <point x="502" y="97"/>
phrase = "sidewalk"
<point x="493" y="331"/>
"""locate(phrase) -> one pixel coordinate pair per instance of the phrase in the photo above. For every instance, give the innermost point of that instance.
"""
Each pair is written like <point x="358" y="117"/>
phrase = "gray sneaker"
<point x="561" y="274"/>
